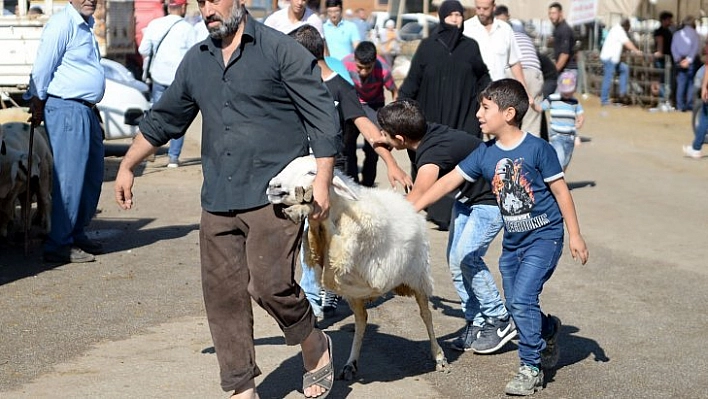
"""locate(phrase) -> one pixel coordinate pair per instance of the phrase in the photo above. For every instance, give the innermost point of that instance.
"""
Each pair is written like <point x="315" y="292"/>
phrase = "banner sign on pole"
<point x="582" y="11"/>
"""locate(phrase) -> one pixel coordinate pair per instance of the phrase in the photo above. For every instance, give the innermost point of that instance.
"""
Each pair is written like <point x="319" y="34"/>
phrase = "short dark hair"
<point x="403" y="117"/>
<point x="333" y="3"/>
<point x="501" y="10"/>
<point x="665" y="15"/>
<point x="557" y="5"/>
<point x="309" y="37"/>
<point x="365" y="52"/>
<point x="508" y="93"/>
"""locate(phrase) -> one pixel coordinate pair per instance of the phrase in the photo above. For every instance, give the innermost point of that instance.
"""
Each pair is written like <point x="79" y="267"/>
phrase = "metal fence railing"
<point x="648" y="86"/>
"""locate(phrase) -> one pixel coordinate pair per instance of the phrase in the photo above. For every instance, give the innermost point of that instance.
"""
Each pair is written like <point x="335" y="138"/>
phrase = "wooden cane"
<point x="28" y="194"/>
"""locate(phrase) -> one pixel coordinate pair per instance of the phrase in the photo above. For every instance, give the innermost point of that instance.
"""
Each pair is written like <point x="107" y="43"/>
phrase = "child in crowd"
<point x="350" y="116"/>
<point x="476" y="220"/>
<point x="371" y="74"/>
<point x="566" y="117"/>
<point x="534" y="199"/>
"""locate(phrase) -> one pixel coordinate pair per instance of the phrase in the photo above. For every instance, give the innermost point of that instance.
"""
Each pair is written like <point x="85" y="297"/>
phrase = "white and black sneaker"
<point x="464" y="342"/>
<point x="329" y="301"/>
<point x="495" y="333"/>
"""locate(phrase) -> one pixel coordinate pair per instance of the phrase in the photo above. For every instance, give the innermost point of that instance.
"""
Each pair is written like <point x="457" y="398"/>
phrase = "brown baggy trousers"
<point x="250" y="254"/>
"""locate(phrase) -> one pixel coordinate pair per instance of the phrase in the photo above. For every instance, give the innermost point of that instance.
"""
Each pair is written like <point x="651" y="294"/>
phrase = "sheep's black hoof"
<point x="442" y="366"/>
<point x="348" y="372"/>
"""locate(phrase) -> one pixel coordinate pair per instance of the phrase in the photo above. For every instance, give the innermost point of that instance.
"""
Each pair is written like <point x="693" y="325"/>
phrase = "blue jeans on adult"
<point x="471" y="231"/>
<point x="524" y="272"/>
<point x="702" y="129"/>
<point x="175" y="145"/>
<point x="609" y="74"/>
<point x="75" y="136"/>
<point x="684" y="87"/>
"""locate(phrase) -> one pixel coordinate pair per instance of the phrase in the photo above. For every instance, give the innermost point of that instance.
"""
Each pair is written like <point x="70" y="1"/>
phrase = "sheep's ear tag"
<point x="341" y="188"/>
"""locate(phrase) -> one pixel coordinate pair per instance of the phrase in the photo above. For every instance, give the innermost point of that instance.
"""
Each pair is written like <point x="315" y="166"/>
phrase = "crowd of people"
<point x="469" y="112"/>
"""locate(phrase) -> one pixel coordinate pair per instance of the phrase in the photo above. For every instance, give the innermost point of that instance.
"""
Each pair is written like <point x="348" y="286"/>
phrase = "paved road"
<point x="132" y="324"/>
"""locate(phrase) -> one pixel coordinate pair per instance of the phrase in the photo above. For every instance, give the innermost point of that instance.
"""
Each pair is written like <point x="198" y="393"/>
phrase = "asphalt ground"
<point x="132" y="324"/>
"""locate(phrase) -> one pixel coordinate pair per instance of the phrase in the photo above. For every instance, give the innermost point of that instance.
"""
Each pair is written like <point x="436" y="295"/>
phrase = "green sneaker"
<point x="526" y="382"/>
<point x="550" y="355"/>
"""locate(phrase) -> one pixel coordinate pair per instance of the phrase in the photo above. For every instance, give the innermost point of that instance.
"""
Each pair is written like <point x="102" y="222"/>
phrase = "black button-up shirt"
<point x="258" y="113"/>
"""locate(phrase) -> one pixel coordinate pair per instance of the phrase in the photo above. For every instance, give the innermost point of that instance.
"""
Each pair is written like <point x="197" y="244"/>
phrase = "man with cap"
<point x="165" y="42"/>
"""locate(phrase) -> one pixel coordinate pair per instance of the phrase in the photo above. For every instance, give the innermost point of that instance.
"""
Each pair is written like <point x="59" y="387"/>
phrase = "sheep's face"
<point x="293" y="185"/>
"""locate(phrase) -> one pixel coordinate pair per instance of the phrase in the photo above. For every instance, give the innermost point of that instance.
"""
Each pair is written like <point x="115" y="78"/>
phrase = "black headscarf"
<point x="448" y="34"/>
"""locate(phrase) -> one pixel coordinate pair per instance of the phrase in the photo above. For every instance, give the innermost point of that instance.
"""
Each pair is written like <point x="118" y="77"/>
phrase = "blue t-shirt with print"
<point x="519" y="177"/>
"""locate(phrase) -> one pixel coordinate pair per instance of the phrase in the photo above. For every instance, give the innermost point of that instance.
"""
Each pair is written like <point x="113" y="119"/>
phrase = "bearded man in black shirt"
<point x="262" y="105"/>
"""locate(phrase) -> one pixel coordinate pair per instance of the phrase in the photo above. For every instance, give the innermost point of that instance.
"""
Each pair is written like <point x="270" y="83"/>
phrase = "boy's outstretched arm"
<point x="426" y="177"/>
<point x="441" y="187"/>
<point x="560" y="191"/>
<point x="373" y="135"/>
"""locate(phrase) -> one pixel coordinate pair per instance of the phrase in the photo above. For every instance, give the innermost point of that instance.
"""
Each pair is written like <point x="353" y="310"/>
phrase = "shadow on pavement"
<point x="15" y="266"/>
<point x="581" y="184"/>
<point x="417" y="361"/>
<point x="574" y="349"/>
<point x="133" y="234"/>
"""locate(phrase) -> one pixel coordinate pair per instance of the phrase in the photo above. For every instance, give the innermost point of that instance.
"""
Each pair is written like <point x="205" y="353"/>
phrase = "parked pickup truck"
<point x="125" y="100"/>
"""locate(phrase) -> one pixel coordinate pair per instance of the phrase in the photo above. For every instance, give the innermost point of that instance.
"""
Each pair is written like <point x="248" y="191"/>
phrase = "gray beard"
<point x="230" y="26"/>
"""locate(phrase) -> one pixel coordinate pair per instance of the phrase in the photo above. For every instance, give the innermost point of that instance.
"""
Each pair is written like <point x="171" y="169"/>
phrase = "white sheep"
<point x="373" y="242"/>
<point x="14" y="147"/>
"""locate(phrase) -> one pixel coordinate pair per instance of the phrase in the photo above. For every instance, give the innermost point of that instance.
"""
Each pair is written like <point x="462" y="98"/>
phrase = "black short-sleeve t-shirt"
<point x="445" y="148"/>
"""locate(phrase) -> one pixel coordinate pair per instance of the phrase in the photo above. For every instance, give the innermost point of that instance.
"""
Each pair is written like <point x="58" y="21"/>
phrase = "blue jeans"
<point x="77" y="147"/>
<point x="684" y="87"/>
<point x="702" y="130"/>
<point x="308" y="281"/>
<point x="471" y="231"/>
<point x="564" y="144"/>
<point x="524" y="271"/>
<point x="176" y="144"/>
<point x="609" y="75"/>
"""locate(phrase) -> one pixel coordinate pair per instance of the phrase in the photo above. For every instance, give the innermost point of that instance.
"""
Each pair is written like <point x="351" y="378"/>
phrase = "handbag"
<point x="153" y="52"/>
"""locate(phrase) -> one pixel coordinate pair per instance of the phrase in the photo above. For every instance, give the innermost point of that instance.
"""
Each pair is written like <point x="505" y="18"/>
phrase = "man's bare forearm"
<point x="138" y="151"/>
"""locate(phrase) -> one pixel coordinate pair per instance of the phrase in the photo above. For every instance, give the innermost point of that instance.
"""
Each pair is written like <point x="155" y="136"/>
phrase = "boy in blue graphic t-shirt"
<point x="534" y="199"/>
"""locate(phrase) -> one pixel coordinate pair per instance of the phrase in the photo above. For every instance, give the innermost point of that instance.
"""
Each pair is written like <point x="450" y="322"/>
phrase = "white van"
<point x="411" y="24"/>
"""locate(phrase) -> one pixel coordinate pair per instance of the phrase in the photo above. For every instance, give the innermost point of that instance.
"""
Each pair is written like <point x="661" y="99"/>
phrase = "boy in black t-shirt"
<point x="351" y="116"/>
<point x="475" y="222"/>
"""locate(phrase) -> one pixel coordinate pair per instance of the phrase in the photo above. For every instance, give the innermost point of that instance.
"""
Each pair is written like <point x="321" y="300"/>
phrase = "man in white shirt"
<point x="166" y="40"/>
<point x="496" y="42"/>
<point x="610" y="54"/>
<point x="291" y="17"/>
